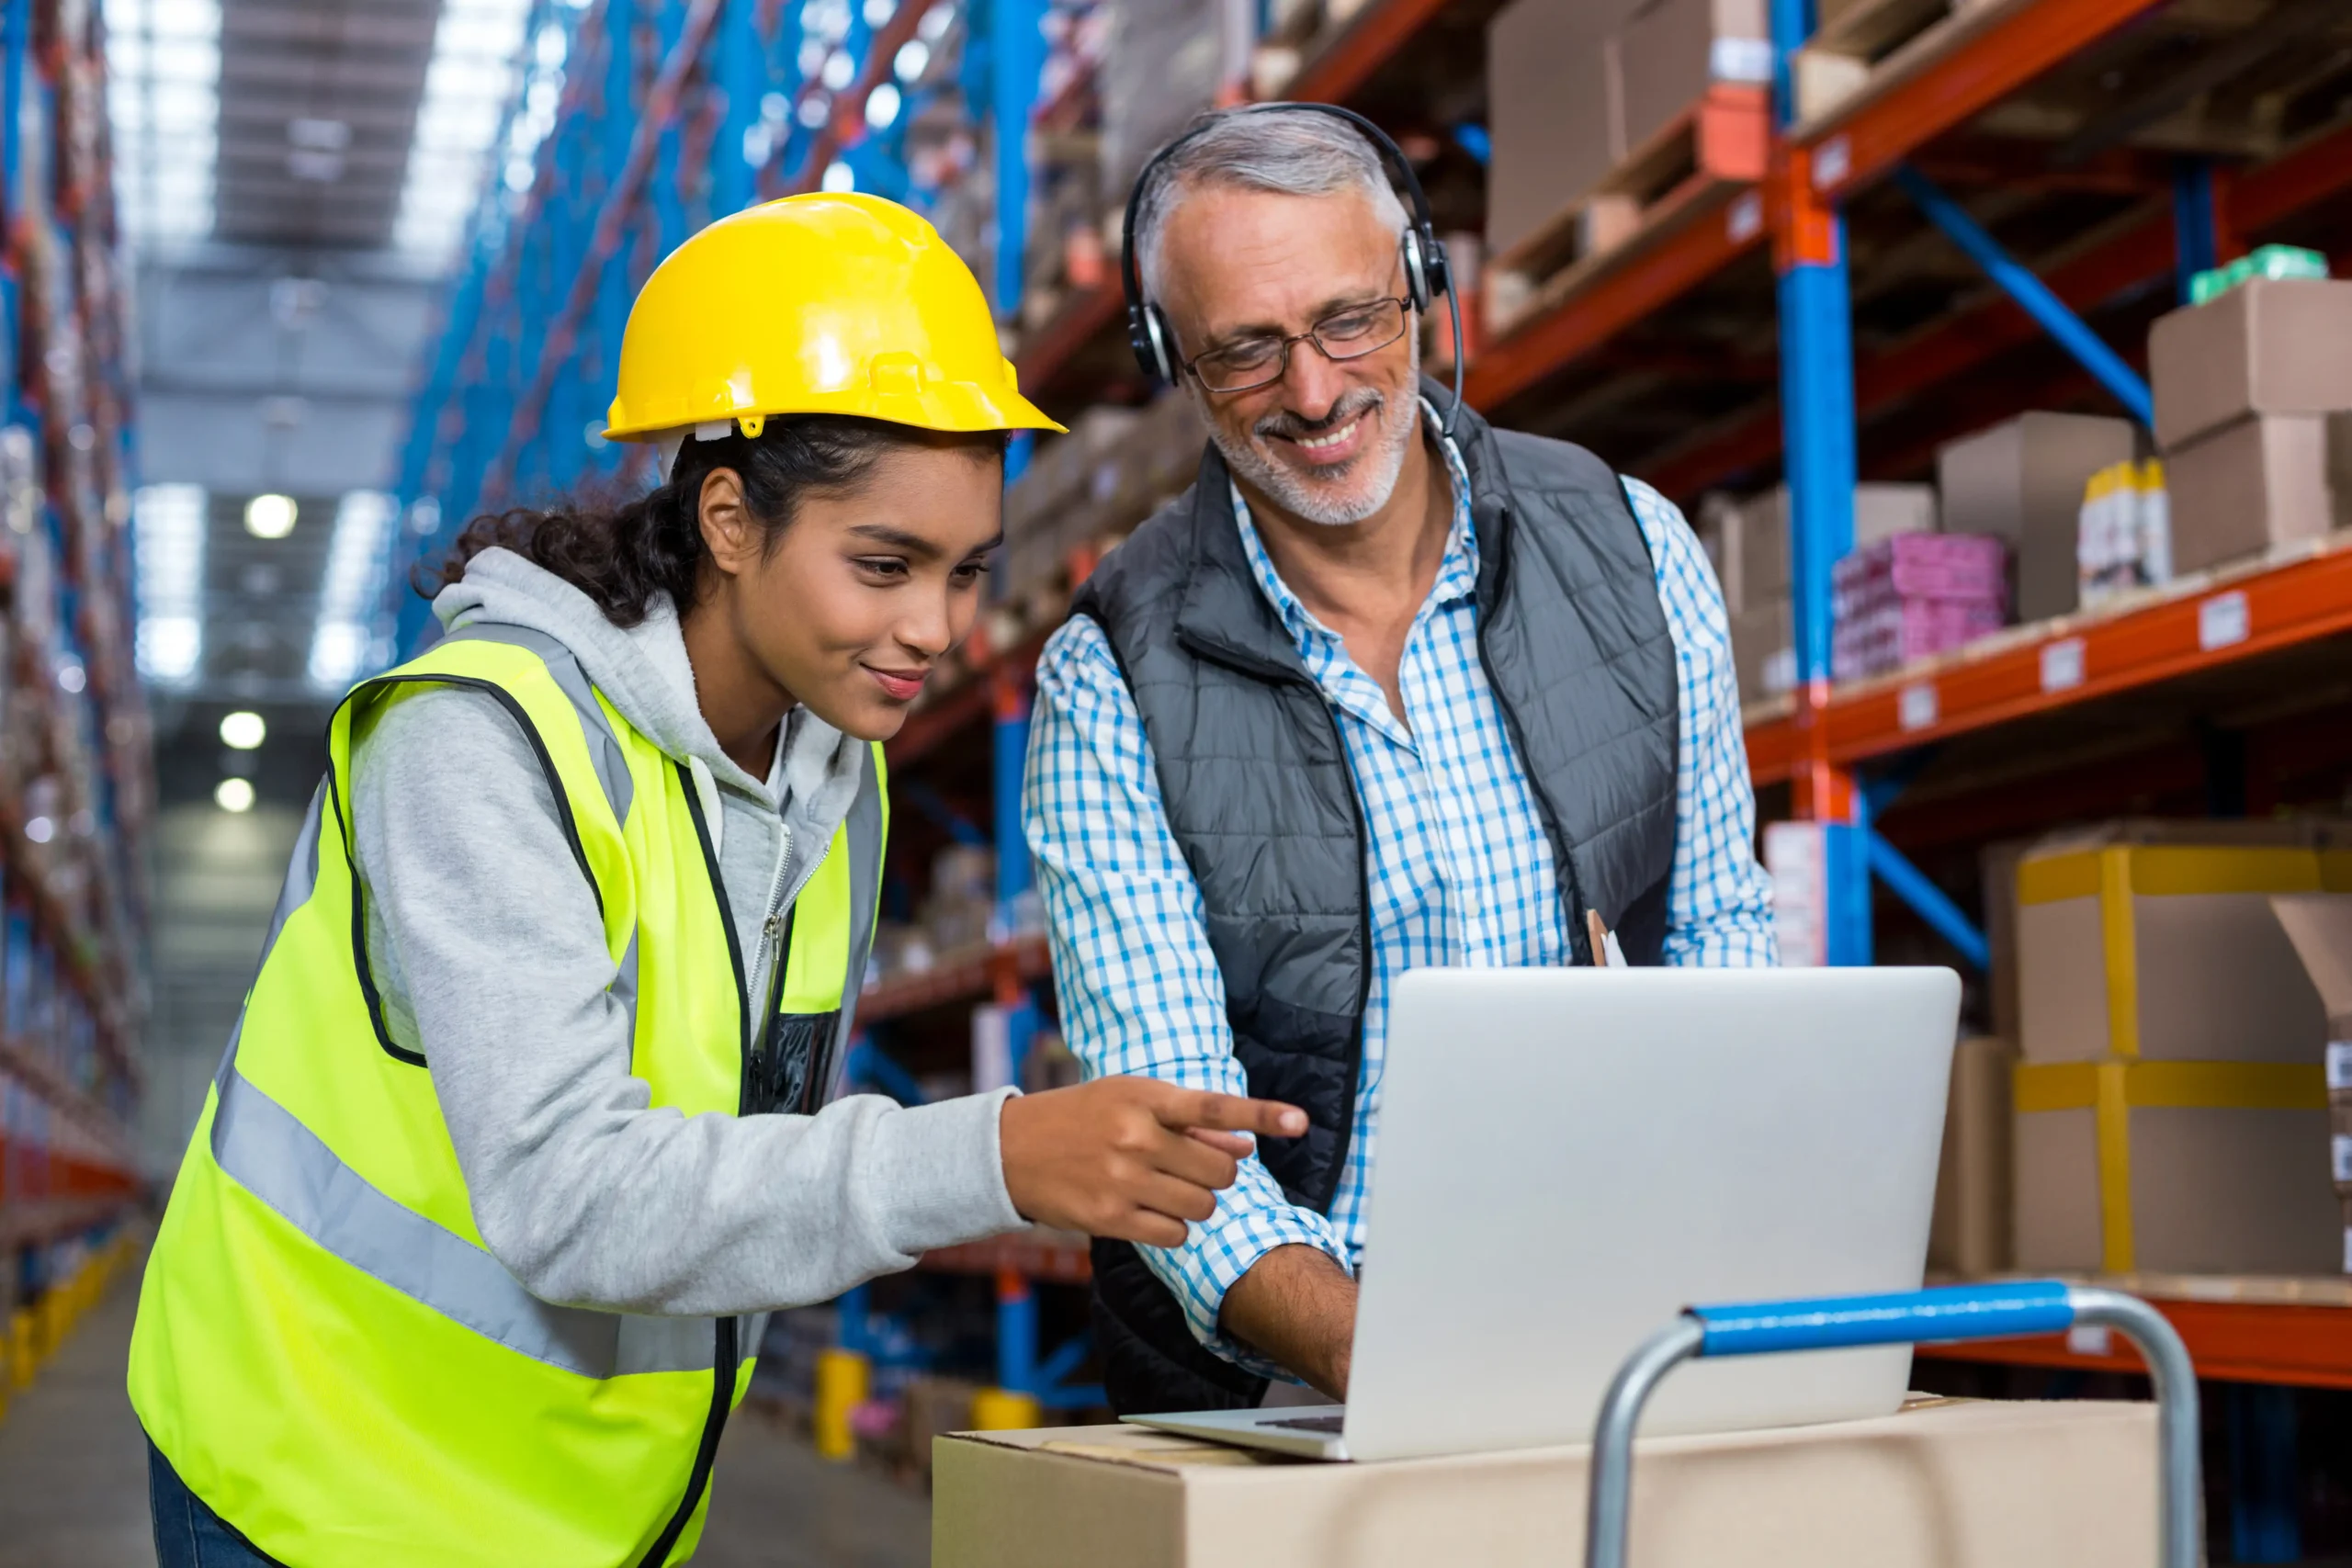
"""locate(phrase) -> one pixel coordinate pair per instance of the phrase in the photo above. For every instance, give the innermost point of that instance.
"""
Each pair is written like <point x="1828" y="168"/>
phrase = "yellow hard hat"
<point x="824" y="303"/>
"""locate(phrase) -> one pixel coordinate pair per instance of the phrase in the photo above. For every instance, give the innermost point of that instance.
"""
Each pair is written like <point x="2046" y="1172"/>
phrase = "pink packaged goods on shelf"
<point x="1928" y="566"/>
<point x="1893" y="633"/>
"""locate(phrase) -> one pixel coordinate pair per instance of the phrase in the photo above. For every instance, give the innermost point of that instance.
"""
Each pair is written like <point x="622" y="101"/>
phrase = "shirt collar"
<point x="1457" y="574"/>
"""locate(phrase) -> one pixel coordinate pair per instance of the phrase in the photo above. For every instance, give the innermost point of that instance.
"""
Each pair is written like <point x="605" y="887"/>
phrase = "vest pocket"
<point x="787" y="1074"/>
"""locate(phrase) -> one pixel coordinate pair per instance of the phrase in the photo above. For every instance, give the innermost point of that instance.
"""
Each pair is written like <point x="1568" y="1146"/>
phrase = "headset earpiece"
<point x="1437" y="269"/>
<point x="1148" y="336"/>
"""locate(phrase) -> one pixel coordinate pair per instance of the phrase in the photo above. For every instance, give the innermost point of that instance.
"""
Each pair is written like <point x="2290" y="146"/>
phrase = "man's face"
<point x="1325" y="442"/>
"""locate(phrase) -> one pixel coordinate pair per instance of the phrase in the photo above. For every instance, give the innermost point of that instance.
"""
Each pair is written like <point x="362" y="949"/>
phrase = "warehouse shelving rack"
<point x="76" y="790"/>
<point x="1841" y="751"/>
<point x="1845" y="190"/>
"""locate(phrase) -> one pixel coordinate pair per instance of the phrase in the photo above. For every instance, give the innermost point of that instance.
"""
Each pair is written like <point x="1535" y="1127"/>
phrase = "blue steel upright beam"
<point x="2197" y="231"/>
<point x="1817" y="420"/>
<point x="2032" y="296"/>
<point x="1016" y="61"/>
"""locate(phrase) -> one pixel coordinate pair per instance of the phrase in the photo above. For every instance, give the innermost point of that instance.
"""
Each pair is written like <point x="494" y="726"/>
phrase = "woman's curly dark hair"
<point x="623" y="552"/>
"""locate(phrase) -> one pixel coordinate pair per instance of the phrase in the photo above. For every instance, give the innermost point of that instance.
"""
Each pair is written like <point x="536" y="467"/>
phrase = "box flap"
<point x="2320" y="926"/>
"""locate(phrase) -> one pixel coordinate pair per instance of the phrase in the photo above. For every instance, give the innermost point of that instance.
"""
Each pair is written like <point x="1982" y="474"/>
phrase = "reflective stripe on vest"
<point x="268" y="1378"/>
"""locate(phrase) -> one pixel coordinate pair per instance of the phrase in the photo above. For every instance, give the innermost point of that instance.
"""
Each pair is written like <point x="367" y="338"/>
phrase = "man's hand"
<point x="1298" y="1307"/>
<point x="1130" y="1157"/>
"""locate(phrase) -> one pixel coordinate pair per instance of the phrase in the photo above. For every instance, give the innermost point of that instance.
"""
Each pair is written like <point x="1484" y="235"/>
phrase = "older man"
<point x="1367" y="696"/>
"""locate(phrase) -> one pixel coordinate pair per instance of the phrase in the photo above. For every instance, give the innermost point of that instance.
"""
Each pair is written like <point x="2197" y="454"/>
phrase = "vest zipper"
<point x="726" y="1352"/>
<point x="1564" y="869"/>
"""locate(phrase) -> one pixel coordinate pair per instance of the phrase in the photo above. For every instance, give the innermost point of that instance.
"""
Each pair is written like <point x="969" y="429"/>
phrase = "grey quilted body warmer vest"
<point x="1259" y="796"/>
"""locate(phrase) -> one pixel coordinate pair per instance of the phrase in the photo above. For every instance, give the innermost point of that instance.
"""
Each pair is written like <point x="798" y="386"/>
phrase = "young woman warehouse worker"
<point x="523" y="1130"/>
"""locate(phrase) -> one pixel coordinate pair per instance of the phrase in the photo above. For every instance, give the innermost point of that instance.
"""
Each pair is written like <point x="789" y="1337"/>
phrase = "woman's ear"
<point x="732" y="535"/>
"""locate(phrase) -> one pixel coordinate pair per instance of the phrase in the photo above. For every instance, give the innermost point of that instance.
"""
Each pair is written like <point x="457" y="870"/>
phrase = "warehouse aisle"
<point x="72" y="1464"/>
<point x="74" y="1478"/>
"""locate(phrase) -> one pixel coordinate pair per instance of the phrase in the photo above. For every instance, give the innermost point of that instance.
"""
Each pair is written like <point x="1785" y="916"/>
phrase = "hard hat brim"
<point x="950" y="407"/>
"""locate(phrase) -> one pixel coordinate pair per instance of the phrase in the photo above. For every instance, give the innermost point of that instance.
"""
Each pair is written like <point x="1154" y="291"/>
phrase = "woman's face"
<point x="864" y="592"/>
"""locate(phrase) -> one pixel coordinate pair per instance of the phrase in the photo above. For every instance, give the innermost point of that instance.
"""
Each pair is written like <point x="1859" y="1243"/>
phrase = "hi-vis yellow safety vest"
<point x="326" y="1350"/>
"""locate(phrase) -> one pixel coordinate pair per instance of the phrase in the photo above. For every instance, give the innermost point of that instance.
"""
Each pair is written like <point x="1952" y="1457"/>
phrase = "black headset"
<point x="1426" y="273"/>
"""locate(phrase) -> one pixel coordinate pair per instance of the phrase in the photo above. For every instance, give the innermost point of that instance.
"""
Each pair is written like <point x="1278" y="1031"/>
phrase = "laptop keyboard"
<point x="1310" y="1424"/>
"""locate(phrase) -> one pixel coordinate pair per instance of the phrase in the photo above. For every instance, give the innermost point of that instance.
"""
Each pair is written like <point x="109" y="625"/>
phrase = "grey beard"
<point x="1400" y="419"/>
<point x="1312" y="502"/>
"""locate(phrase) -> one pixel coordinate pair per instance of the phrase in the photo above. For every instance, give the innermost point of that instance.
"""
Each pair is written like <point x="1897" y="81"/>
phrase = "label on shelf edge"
<point x="2339" y="1064"/>
<point x="1832" y="161"/>
<point x="1746" y="218"/>
<point x="1916" y="708"/>
<point x="2062" y="664"/>
<point x="2223" y="620"/>
<point x="2090" y="1340"/>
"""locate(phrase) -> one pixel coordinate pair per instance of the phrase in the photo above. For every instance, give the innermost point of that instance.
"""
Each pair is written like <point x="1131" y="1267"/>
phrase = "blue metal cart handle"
<point x="1962" y="1312"/>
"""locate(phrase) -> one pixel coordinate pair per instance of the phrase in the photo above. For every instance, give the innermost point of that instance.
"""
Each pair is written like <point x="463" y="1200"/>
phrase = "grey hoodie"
<point x="488" y="946"/>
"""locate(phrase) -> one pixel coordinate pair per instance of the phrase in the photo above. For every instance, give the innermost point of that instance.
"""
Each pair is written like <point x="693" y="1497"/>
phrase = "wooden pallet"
<point x="1722" y="140"/>
<point x="1853" y="37"/>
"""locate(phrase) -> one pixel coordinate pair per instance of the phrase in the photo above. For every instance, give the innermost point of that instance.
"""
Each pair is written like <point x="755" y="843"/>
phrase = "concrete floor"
<point x="74" y="1479"/>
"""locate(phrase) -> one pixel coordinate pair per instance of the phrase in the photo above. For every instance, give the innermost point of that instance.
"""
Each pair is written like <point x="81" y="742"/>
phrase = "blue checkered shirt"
<point x="1459" y="869"/>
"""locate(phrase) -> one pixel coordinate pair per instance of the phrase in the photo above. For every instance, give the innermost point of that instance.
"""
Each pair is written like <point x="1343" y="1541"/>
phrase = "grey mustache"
<point x="1291" y="427"/>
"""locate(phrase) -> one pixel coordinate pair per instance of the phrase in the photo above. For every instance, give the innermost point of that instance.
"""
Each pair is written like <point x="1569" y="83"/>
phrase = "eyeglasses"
<point x="1253" y="362"/>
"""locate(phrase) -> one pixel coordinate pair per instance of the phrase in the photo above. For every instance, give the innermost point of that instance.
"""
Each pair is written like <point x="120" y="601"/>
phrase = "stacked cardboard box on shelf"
<point x="1163" y="62"/>
<point x="2171" y="1113"/>
<point x="2253" y="414"/>
<point x="1090" y="488"/>
<point x="2320" y="926"/>
<point x="1600" y="110"/>
<point x="2022" y="481"/>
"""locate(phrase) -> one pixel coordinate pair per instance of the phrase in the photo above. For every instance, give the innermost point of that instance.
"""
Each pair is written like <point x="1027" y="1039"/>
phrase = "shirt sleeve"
<point x="1719" y="899"/>
<point x="1140" y="987"/>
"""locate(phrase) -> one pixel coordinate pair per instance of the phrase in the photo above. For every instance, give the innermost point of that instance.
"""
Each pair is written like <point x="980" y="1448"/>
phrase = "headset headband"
<point x="1131" y="270"/>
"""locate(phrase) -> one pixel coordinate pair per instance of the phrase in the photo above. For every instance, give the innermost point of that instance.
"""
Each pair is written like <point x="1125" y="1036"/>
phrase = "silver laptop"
<point x="1567" y="1157"/>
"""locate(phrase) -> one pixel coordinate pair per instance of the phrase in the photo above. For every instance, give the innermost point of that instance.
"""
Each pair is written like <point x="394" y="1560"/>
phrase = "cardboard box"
<point x="2238" y="491"/>
<point x="1970" y="1232"/>
<point x="1998" y="876"/>
<point x="2171" y="1107"/>
<point x="1552" y="111"/>
<point x="1670" y="51"/>
<point x="2156" y="942"/>
<point x="1763" y="651"/>
<point x="2269" y="346"/>
<point x="1753" y="535"/>
<point x="2190" y="1167"/>
<point x="2023" y="480"/>
<point x="1946" y="1483"/>
<point x="2320" y="927"/>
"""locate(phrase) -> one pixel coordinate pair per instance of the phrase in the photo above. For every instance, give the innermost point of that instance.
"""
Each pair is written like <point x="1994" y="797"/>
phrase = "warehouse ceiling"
<point x="295" y="179"/>
<point x="317" y="107"/>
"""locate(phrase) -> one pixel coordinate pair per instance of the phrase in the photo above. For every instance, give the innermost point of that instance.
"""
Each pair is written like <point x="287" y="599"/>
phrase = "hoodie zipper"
<point x="726" y="1353"/>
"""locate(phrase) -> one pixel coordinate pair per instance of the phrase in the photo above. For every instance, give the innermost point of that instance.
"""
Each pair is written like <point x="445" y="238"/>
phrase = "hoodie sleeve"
<point x="588" y="1194"/>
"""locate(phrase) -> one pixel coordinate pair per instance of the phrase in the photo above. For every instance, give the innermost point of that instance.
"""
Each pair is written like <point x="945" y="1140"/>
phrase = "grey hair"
<point x="1287" y="152"/>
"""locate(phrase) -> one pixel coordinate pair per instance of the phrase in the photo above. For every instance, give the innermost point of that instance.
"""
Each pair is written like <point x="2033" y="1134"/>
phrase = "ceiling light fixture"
<point x="270" y="517"/>
<point x="235" y="794"/>
<point x="243" y="730"/>
<point x="167" y="552"/>
<point x="351" y="594"/>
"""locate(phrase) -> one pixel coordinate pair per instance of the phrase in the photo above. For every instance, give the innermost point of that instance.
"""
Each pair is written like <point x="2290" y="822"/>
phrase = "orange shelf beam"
<point x="1638" y="280"/>
<point x="1954" y="85"/>
<point x="2075" y="660"/>
<point x="972" y="976"/>
<point x="2308" y="1346"/>
<point x="1377" y="34"/>
<point x="1050" y="351"/>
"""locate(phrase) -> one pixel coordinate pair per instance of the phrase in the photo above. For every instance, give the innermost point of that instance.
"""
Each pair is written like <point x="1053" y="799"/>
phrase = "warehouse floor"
<point x="74" y="1479"/>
